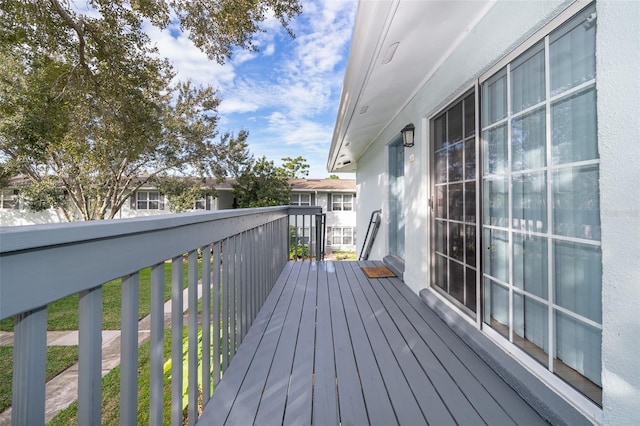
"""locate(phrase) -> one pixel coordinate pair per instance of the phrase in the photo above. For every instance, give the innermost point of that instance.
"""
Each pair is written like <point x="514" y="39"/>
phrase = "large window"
<point x="454" y="215"/>
<point x="342" y="202"/>
<point x="200" y="204"/>
<point x="541" y="204"/>
<point x="341" y="236"/>
<point x="149" y="200"/>
<point x="300" y="199"/>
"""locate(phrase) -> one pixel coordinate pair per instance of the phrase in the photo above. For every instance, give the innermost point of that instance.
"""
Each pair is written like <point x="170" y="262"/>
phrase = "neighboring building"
<point x="146" y="201"/>
<point x="513" y="214"/>
<point x="336" y="196"/>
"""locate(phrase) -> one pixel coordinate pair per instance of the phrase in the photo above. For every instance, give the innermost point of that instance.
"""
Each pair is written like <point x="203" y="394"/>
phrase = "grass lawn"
<point x="342" y="255"/>
<point x="111" y="392"/>
<point x="59" y="358"/>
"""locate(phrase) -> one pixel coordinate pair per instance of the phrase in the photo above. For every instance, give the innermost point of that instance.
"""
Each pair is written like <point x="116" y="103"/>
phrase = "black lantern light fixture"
<point x="408" y="133"/>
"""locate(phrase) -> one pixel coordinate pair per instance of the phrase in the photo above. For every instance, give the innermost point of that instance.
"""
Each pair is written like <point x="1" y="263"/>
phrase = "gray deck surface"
<point x="331" y="346"/>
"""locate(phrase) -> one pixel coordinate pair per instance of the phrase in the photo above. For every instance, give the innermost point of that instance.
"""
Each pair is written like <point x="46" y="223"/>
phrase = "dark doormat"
<point x="378" y="272"/>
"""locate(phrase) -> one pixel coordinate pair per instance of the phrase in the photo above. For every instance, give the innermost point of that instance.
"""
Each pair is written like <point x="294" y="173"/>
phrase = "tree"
<point x="295" y="168"/>
<point x="183" y="192"/>
<point x="334" y="177"/>
<point x="85" y="99"/>
<point x="262" y="184"/>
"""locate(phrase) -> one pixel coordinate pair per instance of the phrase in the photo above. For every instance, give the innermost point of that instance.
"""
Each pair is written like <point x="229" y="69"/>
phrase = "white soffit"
<point x="396" y="45"/>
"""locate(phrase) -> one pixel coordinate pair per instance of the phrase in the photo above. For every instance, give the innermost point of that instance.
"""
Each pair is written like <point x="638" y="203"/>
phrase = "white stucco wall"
<point x="14" y="217"/>
<point x="618" y="85"/>
<point x="372" y="188"/>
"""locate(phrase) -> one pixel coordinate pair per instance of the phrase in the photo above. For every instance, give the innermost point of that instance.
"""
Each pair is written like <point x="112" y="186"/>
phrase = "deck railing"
<point x="242" y="252"/>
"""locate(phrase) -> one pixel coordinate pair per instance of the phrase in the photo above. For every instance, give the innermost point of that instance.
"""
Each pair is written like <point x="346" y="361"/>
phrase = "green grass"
<point x="111" y="392"/>
<point x="344" y="255"/>
<point x="59" y="358"/>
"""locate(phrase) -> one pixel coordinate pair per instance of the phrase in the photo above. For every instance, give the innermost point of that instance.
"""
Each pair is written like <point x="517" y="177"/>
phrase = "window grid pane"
<point x="455" y="209"/>
<point x="541" y="217"/>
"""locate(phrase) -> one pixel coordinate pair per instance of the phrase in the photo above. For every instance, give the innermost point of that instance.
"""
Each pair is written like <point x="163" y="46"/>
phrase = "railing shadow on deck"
<point x="242" y="253"/>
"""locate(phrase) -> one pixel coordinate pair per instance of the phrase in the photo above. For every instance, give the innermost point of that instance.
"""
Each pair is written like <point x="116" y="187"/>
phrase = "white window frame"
<point x="146" y="203"/>
<point x="298" y="201"/>
<point x="338" y="232"/>
<point x="200" y="204"/>
<point x="338" y="202"/>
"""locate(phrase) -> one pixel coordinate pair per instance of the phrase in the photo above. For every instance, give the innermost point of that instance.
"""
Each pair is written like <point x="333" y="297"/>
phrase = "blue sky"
<point x="287" y="94"/>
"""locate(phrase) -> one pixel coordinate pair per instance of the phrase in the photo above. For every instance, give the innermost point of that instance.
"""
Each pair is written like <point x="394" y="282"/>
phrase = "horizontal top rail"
<point x="43" y="263"/>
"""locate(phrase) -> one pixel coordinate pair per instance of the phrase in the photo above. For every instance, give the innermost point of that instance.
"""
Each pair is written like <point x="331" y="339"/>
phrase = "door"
<point x="396" y="199"/>
<point x="454" y="213"/>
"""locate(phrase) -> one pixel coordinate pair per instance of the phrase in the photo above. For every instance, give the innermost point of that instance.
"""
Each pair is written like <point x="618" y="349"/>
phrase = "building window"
<point x="342" y="202"/>
<point x="301" y="235"/>
<point x="9" y="199"/>
<point x="341" y="236"/>
<point x="542" y="258"/>
<point x="300" y="199"/>
<point x="200" y="204"/>
<point x="149" y="200"/>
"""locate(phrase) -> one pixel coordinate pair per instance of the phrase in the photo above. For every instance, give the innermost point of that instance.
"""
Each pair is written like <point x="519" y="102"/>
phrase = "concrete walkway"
<point x="62" y="390"/>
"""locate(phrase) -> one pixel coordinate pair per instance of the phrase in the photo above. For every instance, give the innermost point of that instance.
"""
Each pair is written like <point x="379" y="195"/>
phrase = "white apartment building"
<point x="336" y="196"/>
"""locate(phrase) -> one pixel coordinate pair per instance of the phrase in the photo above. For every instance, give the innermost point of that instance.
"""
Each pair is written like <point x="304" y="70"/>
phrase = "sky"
<point x="287" y="94"/>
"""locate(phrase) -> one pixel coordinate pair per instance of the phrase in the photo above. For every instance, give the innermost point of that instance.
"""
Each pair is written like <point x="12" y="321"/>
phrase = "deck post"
<point x="156" y="372"/>
<point x="177" y="309"/>
<point x="192" y="363"/>
<point x="29" y="360"/>
<point x="129" y="350"/>
<point x="206" y="323"/>
<point x="90" y="357"/>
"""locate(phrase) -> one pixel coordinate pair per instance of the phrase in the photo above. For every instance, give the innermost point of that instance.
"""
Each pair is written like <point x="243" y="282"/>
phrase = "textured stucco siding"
<point x="618" y="85"/>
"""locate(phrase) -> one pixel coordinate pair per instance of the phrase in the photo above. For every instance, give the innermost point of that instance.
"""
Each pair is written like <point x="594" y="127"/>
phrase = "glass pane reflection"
<point x="578" y="273"/>
<point x="576" y="202"/>
<point x="530" y="263"/>
<point x="530" y="202"/>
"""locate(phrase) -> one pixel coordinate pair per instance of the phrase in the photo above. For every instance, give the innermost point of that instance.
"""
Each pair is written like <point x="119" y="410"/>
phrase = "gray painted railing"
<point x="242" y="253"/>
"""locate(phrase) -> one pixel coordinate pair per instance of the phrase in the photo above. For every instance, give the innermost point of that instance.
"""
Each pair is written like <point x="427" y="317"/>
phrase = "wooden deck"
<point x="331" y="346"/>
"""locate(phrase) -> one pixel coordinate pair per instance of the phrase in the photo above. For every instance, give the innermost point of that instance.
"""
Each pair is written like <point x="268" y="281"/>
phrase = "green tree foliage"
<point x="85" y="98"/>
<point x="262" y="184"/>
<point x="334" y="177"/>
<point x="295" y="168"/>
<point x="183" y="192"/>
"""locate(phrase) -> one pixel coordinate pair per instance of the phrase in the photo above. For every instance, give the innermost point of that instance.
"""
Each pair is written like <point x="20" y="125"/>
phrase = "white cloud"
<point x="241" y="56"/>
<point x="231" y="106"/>
<point x="189" y="62"/>
<point x="270" y="50"/>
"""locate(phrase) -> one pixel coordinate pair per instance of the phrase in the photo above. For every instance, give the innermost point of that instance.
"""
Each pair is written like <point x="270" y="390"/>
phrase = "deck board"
<point x="325" y="397"/>
<point x="487" y="407"/>
<point x="494" y="386"/>
<point x="435" y="368"/>
<point x="352" y="407"/>
<point x="300" y="394"/>
<point x="431" y="403"/>
<point x="331" y="346"/>
<point x="274" y="397"/>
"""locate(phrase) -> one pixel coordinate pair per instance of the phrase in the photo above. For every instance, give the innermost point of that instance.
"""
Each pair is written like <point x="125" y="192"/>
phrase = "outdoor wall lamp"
<point x="407" y="135"/>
